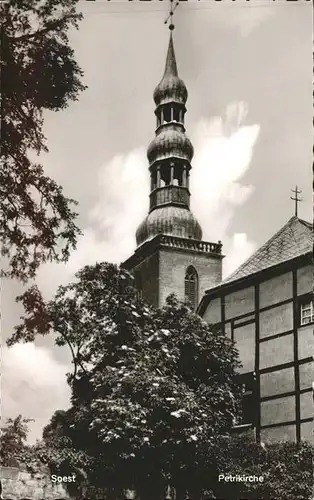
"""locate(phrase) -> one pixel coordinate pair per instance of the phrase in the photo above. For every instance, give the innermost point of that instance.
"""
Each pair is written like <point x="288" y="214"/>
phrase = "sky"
<point x="248" y="70"/>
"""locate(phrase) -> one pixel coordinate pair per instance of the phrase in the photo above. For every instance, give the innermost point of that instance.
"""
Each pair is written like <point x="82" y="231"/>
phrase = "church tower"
<point x="170" y="256"/>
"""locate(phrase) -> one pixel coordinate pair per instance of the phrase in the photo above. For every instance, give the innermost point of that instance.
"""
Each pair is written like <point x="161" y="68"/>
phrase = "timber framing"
<point x="254" y="317"/>
<point x="271" y="272"/>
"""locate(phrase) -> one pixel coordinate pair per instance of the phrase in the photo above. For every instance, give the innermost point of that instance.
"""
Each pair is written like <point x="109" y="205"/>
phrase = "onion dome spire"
<point x="169" y="156"/>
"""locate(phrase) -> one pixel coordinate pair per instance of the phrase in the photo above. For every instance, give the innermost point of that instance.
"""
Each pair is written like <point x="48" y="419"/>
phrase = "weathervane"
<point x="296" y="199"/>
<point x="172" y="10"/>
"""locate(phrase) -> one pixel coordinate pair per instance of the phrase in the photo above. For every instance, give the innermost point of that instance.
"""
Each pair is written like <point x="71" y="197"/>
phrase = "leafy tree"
<point x="38" y="73"/>
<point x="43" y="455"/>
<point x="151" y="389"/>
<point x="13" y="440"/>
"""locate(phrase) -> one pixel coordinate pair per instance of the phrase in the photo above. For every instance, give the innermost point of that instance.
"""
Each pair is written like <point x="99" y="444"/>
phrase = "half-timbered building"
<point x="266" y="307"/>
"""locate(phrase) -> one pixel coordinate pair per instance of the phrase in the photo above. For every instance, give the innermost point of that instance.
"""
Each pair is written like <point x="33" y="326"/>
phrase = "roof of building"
<point x="294" y="239"/>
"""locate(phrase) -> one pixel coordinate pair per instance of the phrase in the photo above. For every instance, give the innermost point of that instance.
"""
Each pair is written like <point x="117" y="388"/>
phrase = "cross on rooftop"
<point x="296" y="199"/>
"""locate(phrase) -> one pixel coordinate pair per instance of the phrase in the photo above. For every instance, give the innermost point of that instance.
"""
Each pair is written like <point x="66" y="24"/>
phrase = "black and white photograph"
<point x="156" y="250"/>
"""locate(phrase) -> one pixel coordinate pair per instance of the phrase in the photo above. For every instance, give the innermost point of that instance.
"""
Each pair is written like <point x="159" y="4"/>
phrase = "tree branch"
<point x="74" y="356"/>
<point x="49" y="27"/>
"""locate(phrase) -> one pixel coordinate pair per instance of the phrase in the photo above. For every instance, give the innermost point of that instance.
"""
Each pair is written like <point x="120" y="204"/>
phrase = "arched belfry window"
<point x="191" y="286"/>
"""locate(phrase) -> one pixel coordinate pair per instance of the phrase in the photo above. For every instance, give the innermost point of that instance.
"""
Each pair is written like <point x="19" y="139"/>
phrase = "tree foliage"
<point x="153" y="399"/>
<point x="15" y="451"/>
<point x="38" y="73"/>
<point x="13" y="440"/>
<point x="151" y="389"/>
<point x="287" y="469"/>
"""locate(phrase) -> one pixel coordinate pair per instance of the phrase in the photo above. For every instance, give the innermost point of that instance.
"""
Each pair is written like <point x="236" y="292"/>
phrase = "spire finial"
<point x="170" y="16"/>
<point x="171" y="64"/>
<point x="296" y="199"/>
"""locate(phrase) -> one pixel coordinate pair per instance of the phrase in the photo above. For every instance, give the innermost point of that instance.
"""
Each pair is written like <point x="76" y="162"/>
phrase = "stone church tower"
<point x="170" y="256"/>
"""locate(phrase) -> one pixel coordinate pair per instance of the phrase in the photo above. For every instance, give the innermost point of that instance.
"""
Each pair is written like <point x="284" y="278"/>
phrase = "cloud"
<point x="33" y="384"/>
<point x="122" y="204"/>
<point x="224" y="149"/>
<point x="124" y="185"/>
<point x="240" y="249"/>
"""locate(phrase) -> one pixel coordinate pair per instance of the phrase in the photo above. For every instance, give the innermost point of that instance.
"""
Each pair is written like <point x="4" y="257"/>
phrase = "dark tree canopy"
<point x="151" y="389"/>
<point x="38" y="73"/>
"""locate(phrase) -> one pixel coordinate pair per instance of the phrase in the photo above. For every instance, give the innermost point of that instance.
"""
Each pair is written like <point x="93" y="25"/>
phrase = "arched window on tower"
<point x="191" y="287"/>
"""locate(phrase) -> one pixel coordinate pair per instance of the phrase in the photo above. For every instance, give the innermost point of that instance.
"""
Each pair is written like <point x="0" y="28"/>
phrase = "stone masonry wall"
<point x="172" y="268"/>
<point x="147" y="278"/>
<point x="18" y="484"/>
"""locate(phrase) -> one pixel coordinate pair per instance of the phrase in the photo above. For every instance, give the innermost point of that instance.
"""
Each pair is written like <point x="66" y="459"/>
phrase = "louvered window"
<point x="191" y="287"/>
